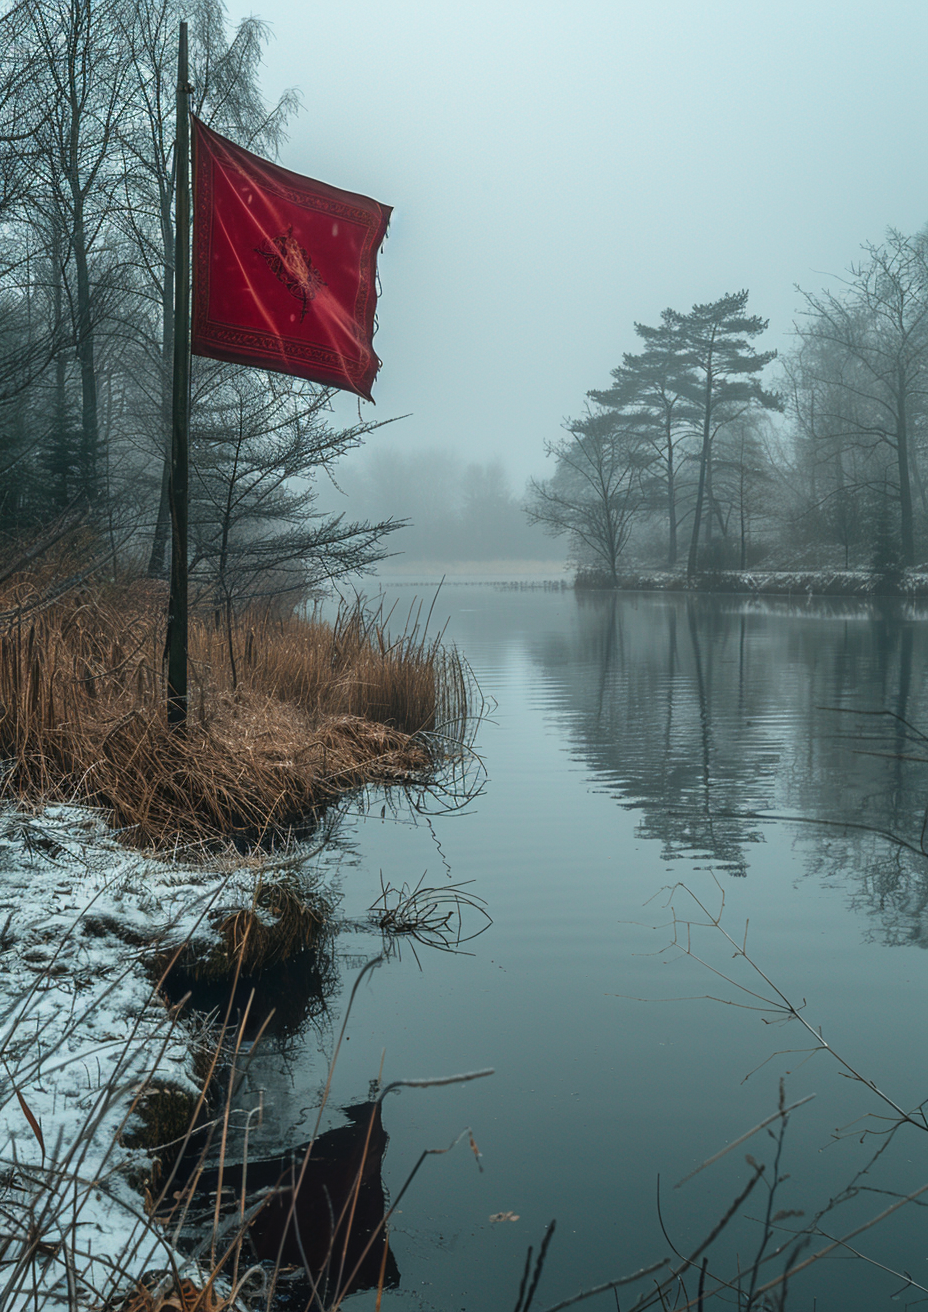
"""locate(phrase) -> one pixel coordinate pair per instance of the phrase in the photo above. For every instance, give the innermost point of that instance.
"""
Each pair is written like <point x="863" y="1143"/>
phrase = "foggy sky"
<point x="560" y="170"/>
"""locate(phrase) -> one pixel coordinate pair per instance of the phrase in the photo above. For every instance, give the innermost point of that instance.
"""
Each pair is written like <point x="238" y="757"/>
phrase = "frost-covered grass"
<point x="85" y="1040"/>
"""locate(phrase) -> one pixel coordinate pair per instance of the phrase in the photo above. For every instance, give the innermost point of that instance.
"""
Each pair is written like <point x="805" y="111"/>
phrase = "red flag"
<point x="284" y="268"/>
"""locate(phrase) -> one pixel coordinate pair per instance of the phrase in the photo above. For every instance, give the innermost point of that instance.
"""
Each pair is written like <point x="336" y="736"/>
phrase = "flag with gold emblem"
<point x="284" y="268"/>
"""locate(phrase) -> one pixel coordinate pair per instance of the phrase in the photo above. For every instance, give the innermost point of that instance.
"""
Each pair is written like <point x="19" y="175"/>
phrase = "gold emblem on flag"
<point x="290" y="264"/>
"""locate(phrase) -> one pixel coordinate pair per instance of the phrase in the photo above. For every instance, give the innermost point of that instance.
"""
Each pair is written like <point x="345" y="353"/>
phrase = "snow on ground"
<point x="81" y="1032"/>
<point x="864" y="584"/>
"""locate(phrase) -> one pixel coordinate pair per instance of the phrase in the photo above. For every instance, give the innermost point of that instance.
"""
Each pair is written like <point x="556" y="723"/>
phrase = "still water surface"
<point x="639" y="743"/>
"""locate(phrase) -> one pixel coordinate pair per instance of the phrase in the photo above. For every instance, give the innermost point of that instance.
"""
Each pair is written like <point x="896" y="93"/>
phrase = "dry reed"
<point x="285" y="714"/>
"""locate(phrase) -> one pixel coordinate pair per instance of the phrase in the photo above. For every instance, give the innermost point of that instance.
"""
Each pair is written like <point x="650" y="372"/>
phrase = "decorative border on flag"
<point x="282" y="353"/>
<point x="247" y="343"/>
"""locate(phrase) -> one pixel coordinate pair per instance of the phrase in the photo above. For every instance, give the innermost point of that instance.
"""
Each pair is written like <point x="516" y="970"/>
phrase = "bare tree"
<point x="259" y="443"/>
<point x="90" y="245"/>
<point x="745" y="483"/>
<point x="32" y="327"/>
<point x="835" y="476"/>
<point x="226" y="94"/>
<point x="23" y="107"/>
<point x="595" y="492"/>
<point x="873" y="341"/>
<point x="77" y="53"/>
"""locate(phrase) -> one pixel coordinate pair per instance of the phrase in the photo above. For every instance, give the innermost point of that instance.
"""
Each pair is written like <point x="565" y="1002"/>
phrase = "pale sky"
<point x="561" y="170"/>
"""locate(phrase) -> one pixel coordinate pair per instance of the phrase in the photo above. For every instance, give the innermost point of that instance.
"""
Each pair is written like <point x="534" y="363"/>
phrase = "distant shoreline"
<point x="912" y="585"/>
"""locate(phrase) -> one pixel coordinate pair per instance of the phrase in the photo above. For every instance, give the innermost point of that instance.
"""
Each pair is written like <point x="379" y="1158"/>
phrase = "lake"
<point x="636" y="744"/>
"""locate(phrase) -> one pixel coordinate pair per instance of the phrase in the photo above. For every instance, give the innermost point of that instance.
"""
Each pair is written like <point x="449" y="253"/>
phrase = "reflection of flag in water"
<point x="333" y="1217"/>
<point x="284" y="268"/>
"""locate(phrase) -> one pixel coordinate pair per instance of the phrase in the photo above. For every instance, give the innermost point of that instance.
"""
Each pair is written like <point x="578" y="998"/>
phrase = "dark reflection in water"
<point x="281" y="1000"/>
<point x="701" y="713"/>
<point x="323" y="1211"/>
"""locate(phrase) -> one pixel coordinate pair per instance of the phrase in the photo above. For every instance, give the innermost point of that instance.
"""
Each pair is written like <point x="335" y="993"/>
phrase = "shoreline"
<point x="861" y="584"/>
<point x="132" y="855"/>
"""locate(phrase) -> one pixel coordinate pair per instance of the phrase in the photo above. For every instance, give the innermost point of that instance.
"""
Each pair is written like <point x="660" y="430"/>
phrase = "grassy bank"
<point x="286" y="714"/>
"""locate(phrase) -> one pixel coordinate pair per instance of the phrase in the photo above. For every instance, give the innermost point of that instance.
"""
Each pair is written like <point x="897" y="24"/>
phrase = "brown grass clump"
<point x="285" y="714"/>
<point x="278" y="925"/>
<point x="162" y="1114"/>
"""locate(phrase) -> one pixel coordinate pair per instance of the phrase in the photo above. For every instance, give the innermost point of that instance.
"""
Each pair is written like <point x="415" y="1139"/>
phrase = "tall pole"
<point x="180" y="424"/>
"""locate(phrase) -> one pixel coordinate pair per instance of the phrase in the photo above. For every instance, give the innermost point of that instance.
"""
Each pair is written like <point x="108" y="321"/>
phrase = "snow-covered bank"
<point x="912" y="584"/>
<point x="84" y="1037"/>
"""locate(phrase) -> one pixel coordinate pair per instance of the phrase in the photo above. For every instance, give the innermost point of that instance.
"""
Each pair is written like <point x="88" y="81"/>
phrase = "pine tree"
<point x="653" y="392"/>
<point x="714" y="348"/>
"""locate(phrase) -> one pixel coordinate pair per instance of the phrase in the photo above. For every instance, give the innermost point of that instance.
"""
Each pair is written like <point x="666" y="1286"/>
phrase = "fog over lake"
<point x="559" y="172"/>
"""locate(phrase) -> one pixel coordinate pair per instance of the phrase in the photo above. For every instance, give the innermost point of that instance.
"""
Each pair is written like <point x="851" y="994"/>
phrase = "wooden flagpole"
<point x="180" y="426"/>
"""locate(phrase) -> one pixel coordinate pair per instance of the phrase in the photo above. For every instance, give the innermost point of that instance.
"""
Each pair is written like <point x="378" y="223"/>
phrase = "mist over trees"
<point x="742" y="460"/>
<point x="86" y="311"/>
<point x="453" y="510"/>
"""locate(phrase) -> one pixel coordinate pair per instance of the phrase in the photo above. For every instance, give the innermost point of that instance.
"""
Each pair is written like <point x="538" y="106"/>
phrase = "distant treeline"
<point x="689" y="460"/>
<point x="457" y="510"/>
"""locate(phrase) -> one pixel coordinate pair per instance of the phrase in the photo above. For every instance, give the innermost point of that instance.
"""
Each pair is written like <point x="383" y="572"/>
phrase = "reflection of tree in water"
<point x="701" y="711"/>
<point x="651" y="684"/>
<point x="888" y="882"/>
<point x="867" y="767"/>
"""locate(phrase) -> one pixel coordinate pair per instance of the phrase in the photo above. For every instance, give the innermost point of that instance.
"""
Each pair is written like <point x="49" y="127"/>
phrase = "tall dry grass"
<point x="285" y="714"/>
